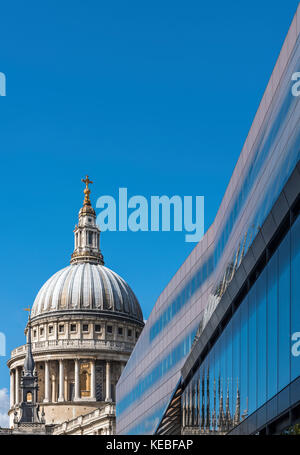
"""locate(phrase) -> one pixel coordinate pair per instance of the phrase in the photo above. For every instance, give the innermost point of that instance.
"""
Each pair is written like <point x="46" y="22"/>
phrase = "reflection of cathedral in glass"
<point x="252" y="360"/>
<point x="197" y="413"/>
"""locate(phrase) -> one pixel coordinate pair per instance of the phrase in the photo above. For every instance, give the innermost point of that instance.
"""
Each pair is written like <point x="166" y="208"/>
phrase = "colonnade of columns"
<point x="52" y="382"/>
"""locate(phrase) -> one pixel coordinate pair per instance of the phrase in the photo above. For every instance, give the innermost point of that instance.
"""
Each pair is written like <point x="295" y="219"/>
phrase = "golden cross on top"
<point x="86" y="190"/>
<point x="86" y="181"/>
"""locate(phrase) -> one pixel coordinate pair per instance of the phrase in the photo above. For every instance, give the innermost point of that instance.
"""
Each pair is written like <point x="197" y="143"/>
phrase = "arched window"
<point x="29" y="397"/>
<point x="85" y="383"/>
<point x="84" y="380"/>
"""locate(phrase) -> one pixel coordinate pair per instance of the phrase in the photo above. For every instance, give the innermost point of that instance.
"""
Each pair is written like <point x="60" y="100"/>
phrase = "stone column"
<point x="108" y="388"/>
<point x="77" y="381"/>
<point x="93" y="380"/>
<point x="61" y="395"/>
<point x="53" y="380"/>
<point x="12" y="388"/>
<point x="17" y="381"/>
<point x="55" y="328"/>
<point x="66" y="385"/>
<point x="47" y="382"/>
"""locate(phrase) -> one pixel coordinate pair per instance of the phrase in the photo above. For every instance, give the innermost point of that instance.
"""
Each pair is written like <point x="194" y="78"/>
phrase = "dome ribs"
<point x="87" y="286"/>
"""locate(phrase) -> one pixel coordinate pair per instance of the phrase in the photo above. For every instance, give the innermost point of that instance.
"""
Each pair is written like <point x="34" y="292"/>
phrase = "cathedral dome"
<point x="86" y="286"/>
<point x="84" y="324"/>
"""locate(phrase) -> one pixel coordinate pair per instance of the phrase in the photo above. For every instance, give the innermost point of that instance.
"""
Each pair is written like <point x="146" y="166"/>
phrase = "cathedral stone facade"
<point x="84" y="324"/>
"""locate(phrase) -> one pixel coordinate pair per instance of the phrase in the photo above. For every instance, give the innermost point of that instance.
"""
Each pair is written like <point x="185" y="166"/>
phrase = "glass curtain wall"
<point x="254" y="358"/>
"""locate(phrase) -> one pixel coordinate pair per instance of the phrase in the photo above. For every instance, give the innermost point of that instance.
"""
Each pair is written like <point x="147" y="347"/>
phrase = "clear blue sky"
<point x="154" y="96"/>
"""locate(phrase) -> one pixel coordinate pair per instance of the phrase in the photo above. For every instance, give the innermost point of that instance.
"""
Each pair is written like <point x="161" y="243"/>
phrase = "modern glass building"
<point x="219" y="351"/>
<point x="244" y="375"/>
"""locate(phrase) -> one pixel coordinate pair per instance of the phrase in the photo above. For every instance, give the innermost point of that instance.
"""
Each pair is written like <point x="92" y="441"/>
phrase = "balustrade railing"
<point x="49" y="345"/>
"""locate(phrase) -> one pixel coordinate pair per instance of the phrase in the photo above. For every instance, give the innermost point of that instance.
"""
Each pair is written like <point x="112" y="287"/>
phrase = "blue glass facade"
<point x="151" y="375"/>
<point x="252" y="360"/>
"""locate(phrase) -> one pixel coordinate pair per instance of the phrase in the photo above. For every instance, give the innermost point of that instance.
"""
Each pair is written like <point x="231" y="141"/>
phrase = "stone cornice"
<point x="80" y="348"/>
<point x="81" y="314"/>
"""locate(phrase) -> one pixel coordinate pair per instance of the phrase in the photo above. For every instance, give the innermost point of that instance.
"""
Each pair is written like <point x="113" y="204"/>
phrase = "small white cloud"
<point x="4" y="407"/>
<point x="4" y="421"/>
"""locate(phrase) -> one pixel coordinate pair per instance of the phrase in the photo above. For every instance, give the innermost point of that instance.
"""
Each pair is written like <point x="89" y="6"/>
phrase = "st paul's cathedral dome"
<point x="87" y="287"/>
<point x="87" y="284"/>
<point x="84" y="324"/>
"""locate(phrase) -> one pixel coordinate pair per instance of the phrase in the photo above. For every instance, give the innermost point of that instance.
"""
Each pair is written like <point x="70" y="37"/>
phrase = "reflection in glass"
<point x="295" y="293"/>
<point x="272" y="325"/>
<point x="284" y="313"/>
<point x="250" y="361"/>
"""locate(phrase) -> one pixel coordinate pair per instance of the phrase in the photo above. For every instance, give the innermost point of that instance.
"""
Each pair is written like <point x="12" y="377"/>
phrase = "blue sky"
<point x="154" y="96"/>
